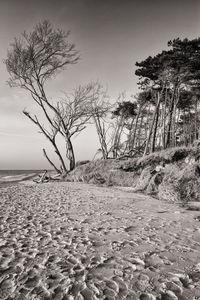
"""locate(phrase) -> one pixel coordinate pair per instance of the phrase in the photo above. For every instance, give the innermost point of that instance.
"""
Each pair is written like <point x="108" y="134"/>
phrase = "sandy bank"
<point x="172" y="175"/>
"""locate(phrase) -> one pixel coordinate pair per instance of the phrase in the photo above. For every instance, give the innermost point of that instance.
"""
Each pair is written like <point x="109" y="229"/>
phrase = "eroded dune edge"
<point x="76" y="241"/>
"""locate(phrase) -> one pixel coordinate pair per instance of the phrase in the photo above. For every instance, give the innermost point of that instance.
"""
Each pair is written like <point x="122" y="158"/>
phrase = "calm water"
<point x="17" y="172"/>
<point x="10" y="177"/>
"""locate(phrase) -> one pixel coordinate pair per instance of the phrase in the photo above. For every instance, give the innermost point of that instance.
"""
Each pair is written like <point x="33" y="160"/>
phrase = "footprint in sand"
<point x="7" y="287"/>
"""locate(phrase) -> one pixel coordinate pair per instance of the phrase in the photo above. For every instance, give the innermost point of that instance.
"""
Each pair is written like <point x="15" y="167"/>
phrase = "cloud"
<point x="20" y="135"/>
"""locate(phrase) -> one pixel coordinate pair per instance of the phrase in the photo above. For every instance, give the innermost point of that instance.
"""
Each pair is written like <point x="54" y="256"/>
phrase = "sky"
<point x="111" y="36"/>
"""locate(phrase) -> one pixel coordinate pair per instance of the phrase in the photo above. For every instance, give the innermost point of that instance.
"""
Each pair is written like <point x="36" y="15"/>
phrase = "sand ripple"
<point x="74" y="241"/>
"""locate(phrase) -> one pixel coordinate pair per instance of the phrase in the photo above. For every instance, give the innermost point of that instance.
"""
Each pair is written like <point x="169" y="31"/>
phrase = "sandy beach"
<point x="75" y="241"/>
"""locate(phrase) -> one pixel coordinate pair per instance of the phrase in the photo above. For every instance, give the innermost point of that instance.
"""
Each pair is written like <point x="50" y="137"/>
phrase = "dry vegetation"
<point x="178" y="179"/>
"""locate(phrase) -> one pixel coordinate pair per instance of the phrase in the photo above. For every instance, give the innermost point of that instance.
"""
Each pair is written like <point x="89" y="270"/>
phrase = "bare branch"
<point x="51" y="163"/>
<point x="31" y="61"/>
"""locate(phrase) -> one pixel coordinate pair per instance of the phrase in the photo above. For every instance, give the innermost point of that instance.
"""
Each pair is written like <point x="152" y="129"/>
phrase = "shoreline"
<point x="10" y="180"/>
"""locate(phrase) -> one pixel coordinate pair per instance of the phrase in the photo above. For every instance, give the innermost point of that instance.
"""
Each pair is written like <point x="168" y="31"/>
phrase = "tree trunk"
<point x="147" y="121"/>
<point x="164" y="119"/>
<point x="153" y="122"/>
<point x="127" y="147"/>
<point x="51" y="139"/>
<point x="190" y="127"/>
<point x="185" y="128"/>
<point x="173" y="129"/>
<point x="156" y="124"/>
<point x="117" y="137"/>
<point x="101" y="135"/>
<point x="70" y="154"/>
<point x="139" y="131"/>
<point x="50" y="162"/>
<point x="177" y="125"/>
<point x="132" y="142"/>
<point x="168" y="140"/>
<point x="196" y="119"/>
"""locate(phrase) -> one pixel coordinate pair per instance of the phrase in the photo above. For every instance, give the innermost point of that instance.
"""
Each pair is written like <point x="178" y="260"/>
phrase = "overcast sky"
<point x="111" y="36"/>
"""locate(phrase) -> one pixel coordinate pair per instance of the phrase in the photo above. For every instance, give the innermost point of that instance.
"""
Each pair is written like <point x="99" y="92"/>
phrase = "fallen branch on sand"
<point x="46" y="178"/>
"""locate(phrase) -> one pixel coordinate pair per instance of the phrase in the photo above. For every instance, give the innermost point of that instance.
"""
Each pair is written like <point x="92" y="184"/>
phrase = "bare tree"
<point x="31" y="62"/>
<point x="74" y="113"/>
<point x="99" y="109"/>
<point x="124" y="115"/>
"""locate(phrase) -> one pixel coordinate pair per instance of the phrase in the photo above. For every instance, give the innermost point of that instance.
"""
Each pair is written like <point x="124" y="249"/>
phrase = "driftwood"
<point x="46" y="178"/>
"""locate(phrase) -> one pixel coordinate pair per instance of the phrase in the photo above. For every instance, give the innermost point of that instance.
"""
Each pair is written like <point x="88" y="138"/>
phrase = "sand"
<point x="76" y="241"/>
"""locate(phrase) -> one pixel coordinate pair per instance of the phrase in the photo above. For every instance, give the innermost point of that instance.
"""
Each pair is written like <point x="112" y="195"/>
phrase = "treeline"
<point x="165" y="113"/>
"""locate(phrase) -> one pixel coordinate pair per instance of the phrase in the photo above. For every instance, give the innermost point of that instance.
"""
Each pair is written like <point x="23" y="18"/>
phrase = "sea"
<point x="10" y="177"/>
